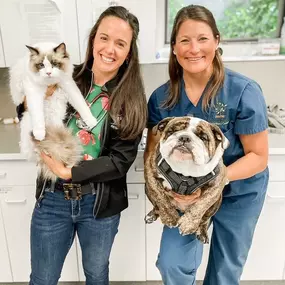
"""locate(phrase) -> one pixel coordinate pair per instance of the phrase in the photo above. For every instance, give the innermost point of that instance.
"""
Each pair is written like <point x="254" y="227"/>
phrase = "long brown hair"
<point x="128" y="106"/>
<point x="197" y="13"/>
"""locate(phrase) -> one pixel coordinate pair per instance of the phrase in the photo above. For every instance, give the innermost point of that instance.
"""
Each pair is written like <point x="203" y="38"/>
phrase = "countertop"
<point x="10" y="136"/>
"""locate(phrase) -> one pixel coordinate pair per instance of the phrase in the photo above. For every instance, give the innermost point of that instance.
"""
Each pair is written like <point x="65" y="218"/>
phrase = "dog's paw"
<point x="150" y="217"/>
<point x="187" y="226"/>
<point x="202" y="235"/>
<point x="170" y="221"/>
<point x="39" y="134"/>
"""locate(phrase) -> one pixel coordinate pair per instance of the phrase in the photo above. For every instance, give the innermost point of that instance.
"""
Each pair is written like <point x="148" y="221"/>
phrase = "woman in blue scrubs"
<point x="200" y="86"/>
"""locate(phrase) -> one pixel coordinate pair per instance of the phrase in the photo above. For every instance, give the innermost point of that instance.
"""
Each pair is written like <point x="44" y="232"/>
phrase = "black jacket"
<point x="107" y="172"/>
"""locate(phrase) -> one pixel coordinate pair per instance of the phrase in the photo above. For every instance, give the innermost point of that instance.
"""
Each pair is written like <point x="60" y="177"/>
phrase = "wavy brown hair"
<point x="128" y="106"/>
<point x="197" y="13"/>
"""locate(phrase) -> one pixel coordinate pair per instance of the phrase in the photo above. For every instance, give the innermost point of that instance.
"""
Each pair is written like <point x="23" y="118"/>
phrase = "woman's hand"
<point x="186" y="200"/>
<point x="57" y="167"/>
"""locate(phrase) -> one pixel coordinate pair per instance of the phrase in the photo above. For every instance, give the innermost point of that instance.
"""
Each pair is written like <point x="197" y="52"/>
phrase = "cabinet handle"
<point x="133" y="196"/>
<point x="275" y="197"/>
<point x="23" y="201"/>
<point x="139" y="169"/>
<point x="3" y="174"/>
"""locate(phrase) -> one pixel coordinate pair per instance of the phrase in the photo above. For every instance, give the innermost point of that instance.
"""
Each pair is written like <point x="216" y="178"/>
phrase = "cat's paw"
<point x="91" y="122"/>
<point x="39" y="134"/>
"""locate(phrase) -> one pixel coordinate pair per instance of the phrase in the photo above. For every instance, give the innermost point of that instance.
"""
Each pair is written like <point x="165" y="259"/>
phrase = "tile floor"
<point x="159" y="283"/>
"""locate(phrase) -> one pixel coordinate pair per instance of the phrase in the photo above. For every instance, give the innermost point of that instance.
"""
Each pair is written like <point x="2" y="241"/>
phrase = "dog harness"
<point x="183" y="185"/>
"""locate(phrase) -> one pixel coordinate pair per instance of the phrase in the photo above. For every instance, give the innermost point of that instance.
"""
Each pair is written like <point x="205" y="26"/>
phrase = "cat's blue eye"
<point x="56" y="64"/>
<point x="40" y="65"/>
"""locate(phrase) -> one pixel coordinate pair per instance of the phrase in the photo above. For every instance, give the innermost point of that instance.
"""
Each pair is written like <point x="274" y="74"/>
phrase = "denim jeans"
<point x="55" y="222"/>
<point x="233" y="229"/>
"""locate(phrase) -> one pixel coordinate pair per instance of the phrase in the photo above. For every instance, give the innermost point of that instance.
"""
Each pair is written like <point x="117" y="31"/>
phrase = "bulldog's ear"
<point x="161" y="125"/>
<point x="219" y="136"/>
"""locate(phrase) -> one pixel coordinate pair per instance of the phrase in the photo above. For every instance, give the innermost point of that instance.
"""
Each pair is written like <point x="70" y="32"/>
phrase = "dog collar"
<point x="183" y="185"/>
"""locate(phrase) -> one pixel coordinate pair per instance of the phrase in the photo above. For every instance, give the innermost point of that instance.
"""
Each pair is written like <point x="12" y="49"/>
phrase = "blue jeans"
<point x="233" y="229"/>
<point x="54" y="224"/>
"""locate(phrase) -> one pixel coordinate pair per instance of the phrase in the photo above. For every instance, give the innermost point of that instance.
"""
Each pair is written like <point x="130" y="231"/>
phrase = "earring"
<point x="127" y="60"/>
<point x="174" y="52"/>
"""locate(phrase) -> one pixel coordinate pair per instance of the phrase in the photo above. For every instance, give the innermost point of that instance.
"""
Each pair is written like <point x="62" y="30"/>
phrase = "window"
<point x="237" y="20"/>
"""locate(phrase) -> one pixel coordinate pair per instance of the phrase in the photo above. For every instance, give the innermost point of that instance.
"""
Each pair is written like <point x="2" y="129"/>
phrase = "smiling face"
<point x="111" y="45"/>
<point x="195" y="46"/>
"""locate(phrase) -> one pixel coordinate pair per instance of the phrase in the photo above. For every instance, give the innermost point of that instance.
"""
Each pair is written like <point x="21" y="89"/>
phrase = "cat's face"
<point x="49" y="62"/>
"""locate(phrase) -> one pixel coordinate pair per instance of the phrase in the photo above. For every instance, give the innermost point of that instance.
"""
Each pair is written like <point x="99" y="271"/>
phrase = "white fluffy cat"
<point x="46" y="64"/>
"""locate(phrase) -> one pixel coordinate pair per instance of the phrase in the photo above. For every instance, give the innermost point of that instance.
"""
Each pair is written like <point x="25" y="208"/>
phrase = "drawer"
<point x="17" y="172"/>
<point x="276" y="166"/>
<point x="136" y="172"/>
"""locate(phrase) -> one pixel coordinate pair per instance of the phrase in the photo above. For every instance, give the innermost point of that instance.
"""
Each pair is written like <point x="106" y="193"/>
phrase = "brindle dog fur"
<point x="196" y="217"/>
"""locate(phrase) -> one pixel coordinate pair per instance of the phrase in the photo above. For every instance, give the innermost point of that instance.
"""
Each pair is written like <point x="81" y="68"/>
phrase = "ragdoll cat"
<point x="47" y="64"/>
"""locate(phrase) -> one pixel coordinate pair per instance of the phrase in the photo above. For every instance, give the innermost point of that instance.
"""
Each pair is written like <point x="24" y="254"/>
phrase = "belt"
<point x="72" y="191"/>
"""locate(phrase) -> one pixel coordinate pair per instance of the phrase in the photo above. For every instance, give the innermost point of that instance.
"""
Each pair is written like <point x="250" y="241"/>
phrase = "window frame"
<point x="281" y="9"/>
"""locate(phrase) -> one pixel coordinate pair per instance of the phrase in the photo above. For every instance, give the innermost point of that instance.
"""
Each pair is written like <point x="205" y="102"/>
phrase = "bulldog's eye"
<point x="204" y="138"/>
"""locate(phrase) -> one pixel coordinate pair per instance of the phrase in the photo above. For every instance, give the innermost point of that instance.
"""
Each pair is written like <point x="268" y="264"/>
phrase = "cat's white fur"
<point x="50" y="111"/>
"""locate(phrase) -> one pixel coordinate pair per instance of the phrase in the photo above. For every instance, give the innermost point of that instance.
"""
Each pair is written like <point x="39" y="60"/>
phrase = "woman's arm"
<point x="116" y="164"/>
<point x="255" y="160"/>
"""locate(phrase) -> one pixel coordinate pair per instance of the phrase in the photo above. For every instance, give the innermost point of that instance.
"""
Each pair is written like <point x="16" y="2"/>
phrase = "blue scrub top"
<point x="239" y="109"/>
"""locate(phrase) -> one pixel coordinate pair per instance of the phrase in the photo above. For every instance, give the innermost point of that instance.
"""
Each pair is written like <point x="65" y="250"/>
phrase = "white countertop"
<point x="10" y="135"/>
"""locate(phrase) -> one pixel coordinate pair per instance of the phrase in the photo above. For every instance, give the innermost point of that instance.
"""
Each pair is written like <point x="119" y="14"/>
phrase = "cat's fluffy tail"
<point x="60" y="144"/>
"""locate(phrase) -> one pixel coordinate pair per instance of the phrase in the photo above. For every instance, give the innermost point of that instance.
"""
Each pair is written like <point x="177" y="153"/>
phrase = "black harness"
<point x="183" y="185"/>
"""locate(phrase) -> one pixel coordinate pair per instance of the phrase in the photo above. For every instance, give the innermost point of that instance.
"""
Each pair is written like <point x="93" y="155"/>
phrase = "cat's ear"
<point x="61" y="48"/>
<point x="34" y="51"/>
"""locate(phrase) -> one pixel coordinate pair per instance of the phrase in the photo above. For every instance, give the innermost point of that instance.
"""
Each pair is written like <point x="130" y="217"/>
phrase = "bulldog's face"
<point x="191" y="145"/>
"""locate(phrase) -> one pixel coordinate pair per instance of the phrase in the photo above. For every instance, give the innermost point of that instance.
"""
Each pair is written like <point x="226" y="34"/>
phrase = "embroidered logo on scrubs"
<point x="220" y="114"/>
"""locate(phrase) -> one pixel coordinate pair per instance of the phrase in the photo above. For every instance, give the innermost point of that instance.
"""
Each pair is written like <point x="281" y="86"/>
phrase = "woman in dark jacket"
<point x="87" y="199"/>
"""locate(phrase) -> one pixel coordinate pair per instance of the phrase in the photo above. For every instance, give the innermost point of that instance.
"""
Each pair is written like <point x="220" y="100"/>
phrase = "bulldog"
<point x="187" y="158"/>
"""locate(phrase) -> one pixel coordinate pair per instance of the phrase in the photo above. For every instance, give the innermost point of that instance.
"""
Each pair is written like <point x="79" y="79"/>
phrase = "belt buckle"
<point x="70" y="189"/>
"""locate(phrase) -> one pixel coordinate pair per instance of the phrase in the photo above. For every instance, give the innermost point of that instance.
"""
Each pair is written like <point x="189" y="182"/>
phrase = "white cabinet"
<point x="89" y="10"/>
<point x="26" y="22"/>
<point x="266" y="258"/>
<point x="2" y="58"/>
<point x="153" y="236"/>
<point x="17" y="206"/>
<point x="5" y="270"/>
<point x="127" y="261"/>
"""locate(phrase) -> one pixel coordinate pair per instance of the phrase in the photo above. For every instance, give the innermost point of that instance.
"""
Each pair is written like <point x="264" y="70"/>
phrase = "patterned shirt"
<point x="90" y="140"/>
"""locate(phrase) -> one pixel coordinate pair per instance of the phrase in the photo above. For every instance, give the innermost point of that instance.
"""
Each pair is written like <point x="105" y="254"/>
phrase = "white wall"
<point x="269" y="74"/>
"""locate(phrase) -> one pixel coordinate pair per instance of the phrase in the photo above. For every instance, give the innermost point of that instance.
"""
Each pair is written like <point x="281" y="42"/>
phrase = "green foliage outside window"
<point x="241" y="19"/>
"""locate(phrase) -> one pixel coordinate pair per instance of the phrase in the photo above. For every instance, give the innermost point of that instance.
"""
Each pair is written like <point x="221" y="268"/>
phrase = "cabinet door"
<point x="36" y="21"/>
<point x="5" y="270"/>
<point x="17" y="206"/>
<point x="2" y="59"/>
<point x="127" y="261"/>
<point x="89" y="10"/>
<point x="266" y="258"/>
<point x="153" y="236"/>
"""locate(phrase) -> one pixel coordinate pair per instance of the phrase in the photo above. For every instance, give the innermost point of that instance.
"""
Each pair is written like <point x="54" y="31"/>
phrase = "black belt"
<point x="71" y="190"/>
